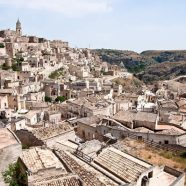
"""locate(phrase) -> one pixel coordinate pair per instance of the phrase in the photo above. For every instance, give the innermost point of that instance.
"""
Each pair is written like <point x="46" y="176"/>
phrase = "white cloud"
<point x="67" y="7"/>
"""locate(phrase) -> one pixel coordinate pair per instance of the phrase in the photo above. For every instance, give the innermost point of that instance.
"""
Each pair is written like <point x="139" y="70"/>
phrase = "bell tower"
<point x="18" y="28"/>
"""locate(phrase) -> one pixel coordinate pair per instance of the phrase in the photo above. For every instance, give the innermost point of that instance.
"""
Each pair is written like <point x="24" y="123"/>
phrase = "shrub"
<point x="2" y="45"/>
<point x="5" y="67"/>
<point x="48" y="99"/>
<point x="56" y="74"/>
<point x="21" y="59"/>
<point x="15" y="67"/>
<point x="60" y="99"/>
<point x="24" y="146"/>
<point x="53" y="75"/>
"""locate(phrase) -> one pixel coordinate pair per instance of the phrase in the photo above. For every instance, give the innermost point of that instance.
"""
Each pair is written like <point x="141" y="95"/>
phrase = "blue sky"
<point x="118" y="24"/>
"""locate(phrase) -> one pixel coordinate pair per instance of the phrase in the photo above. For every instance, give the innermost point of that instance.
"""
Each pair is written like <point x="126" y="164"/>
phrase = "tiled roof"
<point x="172" y="131"/>
<point x="37" y="159"/>
<point x="48" y="132"/>
<point x="124" y="166"/>
<point x="145" y="116"/>
<point x="143" y="129"/>
<point x="88" y="177"/>
<point x="60" y="181"/>
<point x="126" y="116"/>
<point x="129" y="116"/>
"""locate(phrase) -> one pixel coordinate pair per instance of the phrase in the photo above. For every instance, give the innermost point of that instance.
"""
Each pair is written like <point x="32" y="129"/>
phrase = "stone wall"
<point x="181" y="140"/>
<point x="180" y="176"/>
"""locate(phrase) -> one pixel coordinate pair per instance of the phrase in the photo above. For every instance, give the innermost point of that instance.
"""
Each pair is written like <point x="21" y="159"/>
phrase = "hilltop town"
<point x="67" y="117"/>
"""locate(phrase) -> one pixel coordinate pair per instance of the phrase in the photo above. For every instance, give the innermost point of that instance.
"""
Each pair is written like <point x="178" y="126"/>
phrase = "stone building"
<point x="37" y="163"/>
<point x="133" y="119"/>
<point x="90" y="106"/>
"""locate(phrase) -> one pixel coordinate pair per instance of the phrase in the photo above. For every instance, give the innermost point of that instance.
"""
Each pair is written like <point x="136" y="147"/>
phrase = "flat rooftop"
<point x="163" y="179"/>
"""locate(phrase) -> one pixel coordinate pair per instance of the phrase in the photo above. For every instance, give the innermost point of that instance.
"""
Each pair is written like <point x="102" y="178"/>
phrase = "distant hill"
<point x="166" y="56"/>
<point x="151" y="65"/>
<point x="132" y="61"/>
<point x="162" y="71"/>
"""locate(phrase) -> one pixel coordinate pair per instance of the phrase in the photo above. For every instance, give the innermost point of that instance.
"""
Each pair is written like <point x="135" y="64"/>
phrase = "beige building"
<point x="35" y="96"/>
<point x="37" y="163"/>
<point x="79" y="71"/>
<point x="14" y="100"/>
<point x="86" y="107"/>
<point x="3" y="102"/>
<point x="53" y="117"/>
<point x="33" y="117"/>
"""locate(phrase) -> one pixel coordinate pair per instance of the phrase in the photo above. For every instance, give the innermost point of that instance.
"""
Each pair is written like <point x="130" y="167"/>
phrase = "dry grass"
<point x="156" y="157"/>
<point x="163" y="158"/>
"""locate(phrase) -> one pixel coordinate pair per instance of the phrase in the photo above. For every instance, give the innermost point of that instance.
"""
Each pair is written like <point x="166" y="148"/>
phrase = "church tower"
<point x="18" y="28"/>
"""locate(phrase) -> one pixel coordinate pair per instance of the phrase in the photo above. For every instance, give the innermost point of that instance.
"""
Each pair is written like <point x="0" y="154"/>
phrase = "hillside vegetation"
<point x="163" y="71"/>
<point x="132" y="61"/>
<point x="166" y="56"/>
<point x="129" y="85"/>
<point x="152" y="65"/>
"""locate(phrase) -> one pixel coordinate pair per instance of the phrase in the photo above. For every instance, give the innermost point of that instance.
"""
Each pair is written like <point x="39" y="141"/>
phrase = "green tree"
<point x="48" y="99"/>
<point x="15" y="67"/>
<point x="60" y="99"/>
<point x="5" y="67"/>
<point x="21" y="59"/>
<point x="13" y="176"/>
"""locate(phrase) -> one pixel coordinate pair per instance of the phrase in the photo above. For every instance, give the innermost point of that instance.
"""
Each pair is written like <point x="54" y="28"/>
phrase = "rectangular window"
<point x="150" y="175"/>
<point x="140" y="138"/>
<point x="166" y="142"/>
